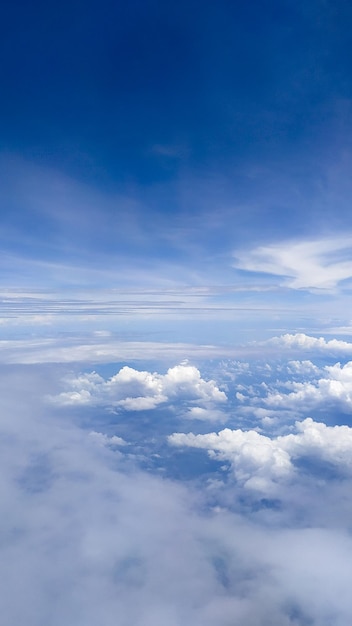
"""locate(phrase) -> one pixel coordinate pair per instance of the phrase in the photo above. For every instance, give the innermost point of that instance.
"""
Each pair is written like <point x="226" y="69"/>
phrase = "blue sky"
<point x="156" y="147"/>
<point x="175" y="326"/>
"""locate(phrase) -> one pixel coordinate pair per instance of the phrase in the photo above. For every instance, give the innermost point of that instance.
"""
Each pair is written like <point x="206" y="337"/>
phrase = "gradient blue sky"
<point x="175" y="318"/>
<point x="193" y="153"/>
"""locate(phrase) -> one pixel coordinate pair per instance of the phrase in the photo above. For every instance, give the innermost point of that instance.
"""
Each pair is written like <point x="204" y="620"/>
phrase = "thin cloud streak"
<point x="320" y="264"/>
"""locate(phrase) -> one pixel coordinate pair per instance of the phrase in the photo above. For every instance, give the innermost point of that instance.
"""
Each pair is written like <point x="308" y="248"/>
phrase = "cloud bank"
<point x="90" y="538"/>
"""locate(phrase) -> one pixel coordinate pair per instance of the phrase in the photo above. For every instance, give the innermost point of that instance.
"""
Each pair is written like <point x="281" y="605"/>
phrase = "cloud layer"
<point x="91" y="538"/>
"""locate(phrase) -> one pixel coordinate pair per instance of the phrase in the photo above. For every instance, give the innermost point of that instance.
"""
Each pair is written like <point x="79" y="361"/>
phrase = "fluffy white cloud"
<point x="88" y="538"/>
<point x="258" y="461"/>
<point x="301" y="341"/>
<point x="335" y="387"/>
<point x="315" y="439"/>
<point x="302" y="368"/>
<point x="310" y="264"/>
<point x="136" y="390"/>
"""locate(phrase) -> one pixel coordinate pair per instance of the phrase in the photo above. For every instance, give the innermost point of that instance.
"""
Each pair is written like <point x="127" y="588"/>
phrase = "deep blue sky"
<point x="156" y="145"/>
<point x="95" y="88"/>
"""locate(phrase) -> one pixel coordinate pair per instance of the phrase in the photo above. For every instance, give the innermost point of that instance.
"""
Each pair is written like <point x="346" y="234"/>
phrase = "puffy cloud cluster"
<point x="315" y="439"/>
<point x="258" y="461"/>
<point x="90" y="538"/>
<point x="301" y="341"/>
<point x="302" y="368"/>
<point x="334" y="388"/>
<point x="135" y="390"/>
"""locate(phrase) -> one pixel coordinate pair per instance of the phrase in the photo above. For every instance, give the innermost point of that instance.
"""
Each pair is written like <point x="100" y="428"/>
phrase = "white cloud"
<point x="186" y="380"/>
<point x="301" y="341"/>
<point x="104" y="440"/>
<point x="334" y="388"/>
<point x="330" y="443"/>
<point x="107" y="349"/>
<point x="136" y="390"/>
<point x="88" y="538"/>
<point x="255" y="459"/>
<point x="305" y="367"/>
<point x="309" y="264"/>
<point x="54" y="350"/>
<point x="210" y="415"/>
<point x="258" y="462"/>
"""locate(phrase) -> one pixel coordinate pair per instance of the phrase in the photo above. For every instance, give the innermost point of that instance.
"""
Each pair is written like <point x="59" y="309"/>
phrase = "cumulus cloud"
<point x="258" y="461"/>
<point x="89" y="538"/>
<point x="315" y="439"/>
<point x="135" y="390"/>
<point x="311" y="264"/>
<point x="301" y="341"/>
<point x="335" y="388"/>
<point x="305" y="367"/>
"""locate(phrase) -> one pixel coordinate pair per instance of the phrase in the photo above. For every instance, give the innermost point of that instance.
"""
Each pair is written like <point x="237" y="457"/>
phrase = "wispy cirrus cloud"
<point x="308" y="264"/>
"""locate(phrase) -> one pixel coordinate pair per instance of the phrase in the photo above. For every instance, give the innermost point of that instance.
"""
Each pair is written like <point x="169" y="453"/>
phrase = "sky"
<point x="175" y="326"/>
